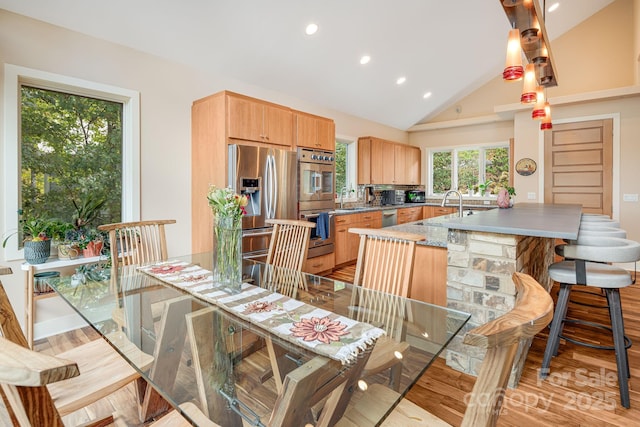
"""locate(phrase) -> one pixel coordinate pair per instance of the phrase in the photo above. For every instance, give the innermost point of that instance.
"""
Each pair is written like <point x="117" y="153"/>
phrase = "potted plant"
<point x="90" y="241"/>
<point x="36" y="233"/>
<point x="485" y="188"/>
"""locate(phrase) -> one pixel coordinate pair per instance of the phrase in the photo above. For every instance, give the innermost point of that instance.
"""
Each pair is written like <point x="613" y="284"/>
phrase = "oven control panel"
<point x="309" y="155"/>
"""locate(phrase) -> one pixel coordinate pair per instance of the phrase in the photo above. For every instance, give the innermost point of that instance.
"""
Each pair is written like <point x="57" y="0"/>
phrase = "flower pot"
<point x="41" y="281"/>
<point x="94" y="248"/>
<point x="37" y="252"/>
<point x="227" y="253"/>
<point x="68" y="251"/>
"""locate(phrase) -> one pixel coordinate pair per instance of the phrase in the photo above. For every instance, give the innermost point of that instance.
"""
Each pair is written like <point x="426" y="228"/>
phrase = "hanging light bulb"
<point x="513" y="67"/>
<point x="529" y="87"/>
<point x="538" y="109"/>
<point x="546" y="121"/>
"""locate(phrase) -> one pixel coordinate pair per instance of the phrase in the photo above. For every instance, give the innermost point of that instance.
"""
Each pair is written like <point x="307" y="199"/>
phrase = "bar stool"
<point x="586" y="265"/>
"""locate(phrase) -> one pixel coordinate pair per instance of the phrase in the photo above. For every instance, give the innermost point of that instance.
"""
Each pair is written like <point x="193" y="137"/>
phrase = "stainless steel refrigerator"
<point x="268" y="177"/>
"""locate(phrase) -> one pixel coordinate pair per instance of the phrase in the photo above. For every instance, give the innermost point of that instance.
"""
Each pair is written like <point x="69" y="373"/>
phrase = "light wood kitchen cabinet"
<point x="433" y="211"/>
<point x="429" y="278"/>
<point x="347" y="244"/>
<point x="219" y="120"/>
<point x="255" y="120"/>
<point x="321" y="264"/>
<point x="409" y="214"/>
<point x="314" y="132"/>
<point x="386" y="162"/>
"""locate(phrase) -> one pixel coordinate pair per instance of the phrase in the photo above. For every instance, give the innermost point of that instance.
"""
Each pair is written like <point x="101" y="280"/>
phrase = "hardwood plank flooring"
<point x="582" y="389"/>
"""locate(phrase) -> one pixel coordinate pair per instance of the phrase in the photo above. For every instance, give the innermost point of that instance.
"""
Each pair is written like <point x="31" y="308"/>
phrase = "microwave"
<point x="393" y="197"/>
<point x="415" y="196"/>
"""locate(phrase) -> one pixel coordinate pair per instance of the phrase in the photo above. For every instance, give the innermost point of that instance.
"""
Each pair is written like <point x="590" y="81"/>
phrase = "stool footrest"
<point x="627" y="340"/>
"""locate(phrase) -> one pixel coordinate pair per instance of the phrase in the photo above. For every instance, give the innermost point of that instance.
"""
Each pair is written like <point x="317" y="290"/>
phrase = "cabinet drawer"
<point x="438" y="211"/>
<point x="319" y="264"/>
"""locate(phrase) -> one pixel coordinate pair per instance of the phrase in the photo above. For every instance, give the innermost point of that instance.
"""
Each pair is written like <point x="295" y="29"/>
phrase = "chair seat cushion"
<point x="598" y="274"/>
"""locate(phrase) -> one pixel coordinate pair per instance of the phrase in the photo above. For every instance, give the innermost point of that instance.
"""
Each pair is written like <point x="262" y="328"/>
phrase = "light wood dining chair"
<point x="382" y="282"/>
<point x="25" y="375"/>
<point x="104" y="371"/>
<point x="289" y="243"/>
<point x="137" y="242"/>
<point x="501" y="338"/>
<point x="288" y="250"/>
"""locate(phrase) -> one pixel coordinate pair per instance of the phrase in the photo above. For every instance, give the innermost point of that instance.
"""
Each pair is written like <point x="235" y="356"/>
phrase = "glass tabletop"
<point x="236" y="369"/>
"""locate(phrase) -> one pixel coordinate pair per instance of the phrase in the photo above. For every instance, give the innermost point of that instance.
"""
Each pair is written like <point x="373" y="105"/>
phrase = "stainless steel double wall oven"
<point x="316" y="194"/>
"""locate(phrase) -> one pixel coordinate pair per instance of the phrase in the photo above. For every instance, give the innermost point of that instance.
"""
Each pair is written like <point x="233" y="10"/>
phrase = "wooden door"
<point x="412" y="164"/>
<point x="400" y="165"/>
<point x="326" y="131"/>
<point x="578" y="163"/>
<point x="364" y="161"/>
<point x="278" y="125"/>
<point x="245" y="119"/>
<point x="387" y="163"/>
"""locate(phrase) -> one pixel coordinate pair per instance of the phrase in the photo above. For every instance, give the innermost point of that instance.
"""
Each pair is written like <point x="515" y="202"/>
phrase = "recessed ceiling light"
<point x="311" y="29"/>
<point x="365" y="59"/>
<point x="553" y="7"/>
<point x="426" y="95"/>
<point x="401" y="80"/>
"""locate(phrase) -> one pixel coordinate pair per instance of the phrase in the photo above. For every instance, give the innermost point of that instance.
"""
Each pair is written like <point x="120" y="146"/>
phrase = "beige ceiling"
<point x="447" y="47"/>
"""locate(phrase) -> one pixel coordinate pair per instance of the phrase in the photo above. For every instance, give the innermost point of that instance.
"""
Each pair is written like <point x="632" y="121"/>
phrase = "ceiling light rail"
<point x="528" y="18"/>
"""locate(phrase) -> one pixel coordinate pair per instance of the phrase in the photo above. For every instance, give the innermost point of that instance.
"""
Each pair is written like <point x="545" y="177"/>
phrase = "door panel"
<point x="579" y="165"/>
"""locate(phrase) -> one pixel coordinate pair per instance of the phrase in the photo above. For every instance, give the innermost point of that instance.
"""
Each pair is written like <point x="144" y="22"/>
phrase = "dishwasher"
<point x="389" y="217"/>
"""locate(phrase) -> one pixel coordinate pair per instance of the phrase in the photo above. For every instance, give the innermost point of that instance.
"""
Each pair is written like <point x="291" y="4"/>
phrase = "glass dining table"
<point x="290" y="349"/>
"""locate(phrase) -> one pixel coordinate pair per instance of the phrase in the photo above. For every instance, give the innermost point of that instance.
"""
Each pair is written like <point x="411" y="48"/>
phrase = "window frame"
<point x="454" y="158"/>
<point x="352" y="165"/>
<point x="16" y="76"/>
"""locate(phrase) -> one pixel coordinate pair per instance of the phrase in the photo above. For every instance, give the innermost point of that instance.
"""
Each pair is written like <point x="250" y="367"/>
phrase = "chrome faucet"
<point x="342" y="191"/>
<point x="444" y="200"/>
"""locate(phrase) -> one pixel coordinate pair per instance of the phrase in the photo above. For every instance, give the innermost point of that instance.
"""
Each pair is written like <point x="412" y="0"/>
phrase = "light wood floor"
<point x="582" y="389"/>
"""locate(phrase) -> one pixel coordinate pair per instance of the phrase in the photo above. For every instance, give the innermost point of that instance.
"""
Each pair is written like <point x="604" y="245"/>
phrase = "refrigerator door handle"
<point x="271" y="187"/>
<point x="275" y="178"/>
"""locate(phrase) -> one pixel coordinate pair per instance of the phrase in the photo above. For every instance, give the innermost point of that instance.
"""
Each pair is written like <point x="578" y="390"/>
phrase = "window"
<point x="466" y="167"/>
<point x="346" y="167"/>
<point x="60" y="138"/>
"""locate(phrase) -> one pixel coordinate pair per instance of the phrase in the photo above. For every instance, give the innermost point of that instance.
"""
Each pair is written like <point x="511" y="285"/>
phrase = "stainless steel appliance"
<point x="389" y="217"/>
<point x="267" y="176"/>
<point x="415" y="196"/>
<point x="392" y="197"/>
<point x="316" y="172"/>
<point x="316" y="193"/>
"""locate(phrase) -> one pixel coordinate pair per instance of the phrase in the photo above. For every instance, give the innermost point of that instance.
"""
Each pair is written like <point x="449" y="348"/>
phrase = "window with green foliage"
<point x="70" y="146"/>
<point x="71" y="151"/>
<point x="465" y="168"/>
<point x="345" y="168"/>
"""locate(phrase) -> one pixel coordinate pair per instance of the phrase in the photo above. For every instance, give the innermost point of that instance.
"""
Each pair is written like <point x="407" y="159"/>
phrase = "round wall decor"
<point x="526" y="166"/>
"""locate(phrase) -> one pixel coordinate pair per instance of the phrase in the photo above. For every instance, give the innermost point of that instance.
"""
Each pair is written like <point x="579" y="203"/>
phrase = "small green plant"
<point x="485" y="186"/>
<point x="511" y="191"/>
<point x="87" y="211"/>
<point x="32" y="228"/>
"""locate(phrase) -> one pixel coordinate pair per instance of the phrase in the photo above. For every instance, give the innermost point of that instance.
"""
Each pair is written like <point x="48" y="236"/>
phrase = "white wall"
<point x="167" y="90"/>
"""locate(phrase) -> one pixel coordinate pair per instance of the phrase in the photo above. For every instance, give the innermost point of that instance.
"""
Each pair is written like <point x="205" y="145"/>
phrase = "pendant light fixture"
<point x="529" y="86"/>
<point x="546" y="121"/>
<point x="538" y="109"/>
<point x="513" y="67"/>
<point x="533" y="42"/>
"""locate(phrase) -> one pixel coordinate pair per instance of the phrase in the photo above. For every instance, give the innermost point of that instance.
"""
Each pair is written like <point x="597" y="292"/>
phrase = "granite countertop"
<point x="525" y="219"/>
<point x="348" y="211"/>
<point x="432" y="228"/>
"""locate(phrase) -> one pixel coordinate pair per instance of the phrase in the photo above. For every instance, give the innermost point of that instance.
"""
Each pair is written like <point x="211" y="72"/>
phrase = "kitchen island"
<point x="483" y="251"/>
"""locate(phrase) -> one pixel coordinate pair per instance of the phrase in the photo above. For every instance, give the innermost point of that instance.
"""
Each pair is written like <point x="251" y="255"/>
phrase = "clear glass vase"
<point x="227" y="253"/>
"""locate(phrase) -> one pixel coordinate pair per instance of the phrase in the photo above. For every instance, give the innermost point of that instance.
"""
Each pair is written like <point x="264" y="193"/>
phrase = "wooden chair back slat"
<point x="289" y="243"/>
<point x="383" y="276"/>
<point x="134" y="243"/>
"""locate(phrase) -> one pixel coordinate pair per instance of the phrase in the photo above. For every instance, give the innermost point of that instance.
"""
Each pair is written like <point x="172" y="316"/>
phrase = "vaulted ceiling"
<point x="446" y="47"/>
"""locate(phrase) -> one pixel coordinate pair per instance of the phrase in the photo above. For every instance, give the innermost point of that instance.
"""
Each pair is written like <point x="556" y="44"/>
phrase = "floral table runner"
<point x="326" y="333"/>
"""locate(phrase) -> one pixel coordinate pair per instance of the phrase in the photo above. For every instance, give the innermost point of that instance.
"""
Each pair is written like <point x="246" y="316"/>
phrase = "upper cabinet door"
<point x="413" y="164"/>
<point x="245" y="119"/>
<point x="315" y="132"/>
<point x="253" y="120"/>
<point x="278" y="125"/>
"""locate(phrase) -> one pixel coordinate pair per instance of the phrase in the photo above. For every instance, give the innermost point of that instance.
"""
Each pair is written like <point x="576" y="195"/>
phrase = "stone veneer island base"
<point x="484" y="250"/>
